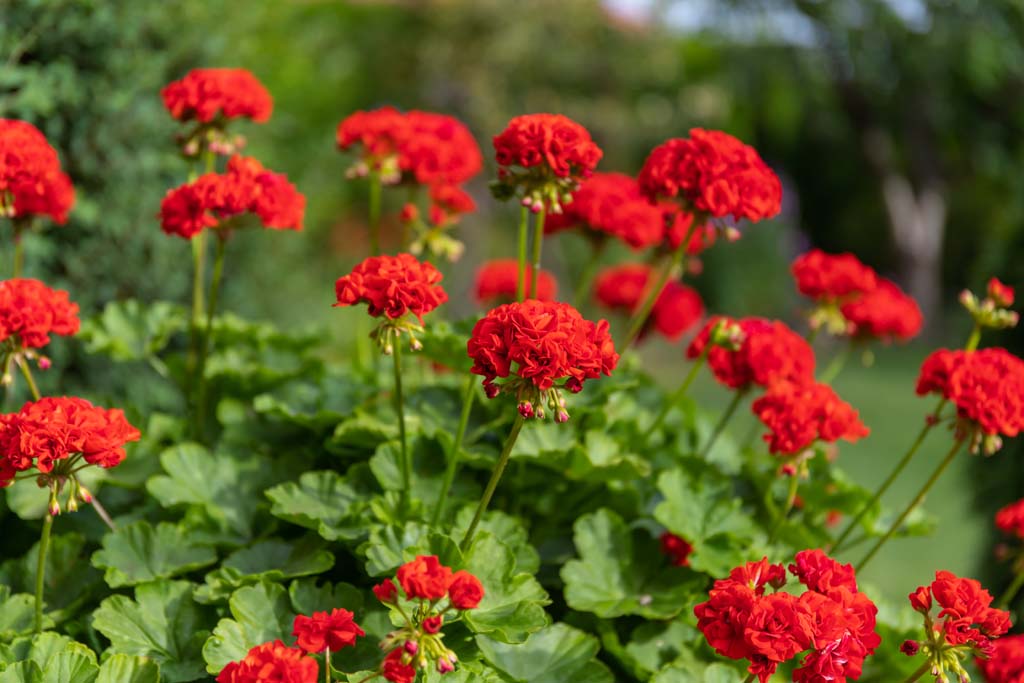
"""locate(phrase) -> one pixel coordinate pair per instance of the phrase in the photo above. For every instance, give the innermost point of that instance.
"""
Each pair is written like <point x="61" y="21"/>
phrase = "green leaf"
<point x="602" y="458"/>
<point x="261" y="613"/>
<point x="128" y="669"/>
<point x="391" y="546"/>
<point x="506" y="527"/>
<point x="69" y="580"/>
<point x="513" y="604"/>
<point x="162" y="623"/>
<point x="128" y="330"/>
<point x="360" y="435"/>
<point x="698" y="672"/>
<point x="272" y="559"/>
<point x="17" y="613"/>
<point x="707" y="514"/>
<point x="544" y="439"/>
<point x="54" y="659"/>
<point x="558" y="654"/>
<point x="323" y="502"/>
<point x="138" y="552"/>
<point x="653" y="645"/>
<point x="308" y="597"/>
<point x="621" y="572"/>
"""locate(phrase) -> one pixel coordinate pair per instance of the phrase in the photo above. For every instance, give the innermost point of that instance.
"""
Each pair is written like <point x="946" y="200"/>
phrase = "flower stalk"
<point x="29" y="379"/>
<point x="644" y="312"/>
<point x="1011" y="592"/>
<point x="679" y="393"/>
<point x="538" y="246"/>
<point x="452" y="465"/>
<point x="204" y="351"/>
<point x="499" y="468"/>
<point x="405" y="462"/>
<point x="723" y="421"/>
<point x="375" y="192"/>
<point x="524" y="219"/>
<point x="44" y="547"/>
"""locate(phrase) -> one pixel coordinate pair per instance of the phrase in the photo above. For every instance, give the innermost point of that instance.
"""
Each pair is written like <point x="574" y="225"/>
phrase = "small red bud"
<point x="562" y="417"/>
<point x="411" y="646"/>
<point x="492" y="390"/>
<point x="526" y="410"/>
<point x="44" y="363"/>
<point x="444" y="666"/>
<point x="910" y="647"/>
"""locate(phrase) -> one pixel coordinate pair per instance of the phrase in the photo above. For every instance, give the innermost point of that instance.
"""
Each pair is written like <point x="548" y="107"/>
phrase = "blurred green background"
<point x="897" y="127"/>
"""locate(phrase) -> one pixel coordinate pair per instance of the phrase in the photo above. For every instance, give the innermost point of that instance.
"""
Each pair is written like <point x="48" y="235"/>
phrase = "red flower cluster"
<point x="31" y="179"/>
<point x="677" y="549"/>
<point x="885" y="312"/>
<point x="1006" y="663"/>
<point x="966" y="618"/>
<point x="547" y="342"/>
<point x="30" y="311"/>
<point x="334" y="630"/>
<point x="550" y="141"/>
<point x="206" y="94"/>
<point x="769" y="352"/>
<point x="676" y="310"/>
<point x="392" y="286"/>
<point x="987" y="387"/>
<point x="832" y="621"/>
<point x="428" y="148"/>
<point x="1001" y="295"/>
<point x="797" y="415"/>
<point x="425" y="578"/>
<point x="714" y="173"/>
<point x="448" y="203"/>
<point x="1010" y="519"/>
<point x="496" y="282"/>
<point x="272" y="663"/>
<point x="832" y="277"/>
<point x="246" y="187"/>
<point x="53" y="429"/>
<point x="611" y="204"/>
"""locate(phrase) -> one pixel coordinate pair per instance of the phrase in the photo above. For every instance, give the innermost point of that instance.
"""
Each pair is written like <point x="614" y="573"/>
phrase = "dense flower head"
<point x="611" y="204"/>
<point x="1006" y="662"/>
<point x="496" y="282"/>
<point x="1001" y="294"/>
<point x="768" y="352"/>
<point x="1010" y="519"/>
<point x="832" y="277"/>
<point x="31" y="180"/>
<point x="624" y="287"/>
<point x="423" y="147"/>
<point x="465" y="590"/>
<point x="392" y="286"/>
<point x="30" y="312"/>
<point x="965" y="618"/>
<point x="986" y="386"/>
<point x="713" y="173"/>
<point x="676" y="548"/>
<point x="552" y="141"/>
<point x="885" y="312"/>
<point x="831" y="621"/>
<point x="335" y="630"/>
<point x="272" y="663"/>
<point x="798" y="414"/>
<point x="49" y="431"/>
<point x="425" y="577"/>
<point x="206" y="94"/>
<point x="538" y="344"/>
<point x="396" y="669"/>
<point x="245" y="187"/>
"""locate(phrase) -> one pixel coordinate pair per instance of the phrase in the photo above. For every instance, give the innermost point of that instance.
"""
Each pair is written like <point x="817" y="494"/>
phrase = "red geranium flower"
<point x="539" y="343"/>
<point x="1010" y="519"/>
<point x="335" y="630"/>
<point x="713" y="173"/>
<point x="30" y="311"/>
<point x="769" y="351"/>
<point x="272" y="663"/>
<point x="677" y="549"/>
<point x="206" y="94"/>
<point x="676" y="310"/>
<point x="425" y="577"/>
<point x="550" y="141"/>
<point x="392" y="286"/>
<point x="821" y="574"/>
<point x="884" y="312"/>
<point x="1006" y="663"/>
<point x="611" y="204"/>
<point x="465" y="591"/>
<point x="31" y="179"/>
<point x="1001" y="294"/>
<point x="832" y="277"/>
<point x="797" y="415"/>
<point x="395" y="669"/>
<point x="386" y="591"/>
<point x="496" y="282"/>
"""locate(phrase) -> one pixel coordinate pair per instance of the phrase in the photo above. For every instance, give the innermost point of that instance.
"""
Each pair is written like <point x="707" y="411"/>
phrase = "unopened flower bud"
<point x="415" y="344"/>
<point x="44" y="363"/>
<point x="732" y="234"/>
<point x="388" y="350"/>
<point x="526" y="410"/>
<point x="191" y="148"/>
<point x="7" y="379"/>
<point x="910" y="647"/>
<point x="72" y="503"/>
<point x="444" y="666"/>
<point x="540" y="413"/>
<point x="527" y="202"/>
<point x="84" y="495"/>
<point x="562" y="417"/>
<point x="537" y="206"/>
<point x="53" y="507"/>
<point x="411" y="646"/>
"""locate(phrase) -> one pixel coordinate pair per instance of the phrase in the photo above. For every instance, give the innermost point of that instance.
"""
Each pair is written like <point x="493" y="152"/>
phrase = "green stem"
<point x="900" y="466"/>
<point x="642" y="313"/>
<point x="327" y="664"/>
<point x="375" y="189"/>
<point x="612" y="644"/>
<point x="1006" y="598"/>
<point x="794" y="484"/>
<point x="198" y="270"/>
<point x="836" y="365"/>
<point x="468" y="395"/>
<point x="27" y="372"/>
<point x="730" y="410"/>
<point x="19" y="253"/>
<point x="679" y="393"/>
<point x="405" y="463"/>
<point x="812" y="334"/>
<point x="750" y="678"/>
<point x="524" y="220"/>
<point x="586" y="281"/>
<point x="913" y="504"/>
<point x="921" y="671"/>
<point x="974" y="339"/>
<point x="204" y="351"/>
<point x="44" y="547"/>
<point x="538" y="245"/>
<point x="102" y="513"/>
<point x="499" y="467"/>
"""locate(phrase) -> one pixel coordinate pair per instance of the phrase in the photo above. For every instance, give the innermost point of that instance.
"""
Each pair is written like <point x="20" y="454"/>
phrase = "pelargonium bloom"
<point x="539" y="347"/>
<point x="832" y="277"/>
<point x="965" y="624"/>
<point x="274" y="662"/>
<point x="332" y="630"/>
<point x="885" y="312"/>
<point x="30" y="312"/>
<point x="1010" y="519"/>
<point x="624" y="287"/>
<point x="396" y="667"/>
<point x="208" y="94"/>
<point x="1006" y="663"/>
<point x="392" y="286"/>
<point x="245" y="188"/>
<point x="465" y="590"/>
<point x="676" y="548"/>
<point x="987" y="388"/>
<point x="1001" y="294"/>
<point x="798" y="414"/>
<point x="767" y="352"/>
<point x="425" y="577"/>
<point x="31" y="180"/>
<point x="610" y="204"/>
<point x="712" y="173"/>
<point x="496" y="282"/>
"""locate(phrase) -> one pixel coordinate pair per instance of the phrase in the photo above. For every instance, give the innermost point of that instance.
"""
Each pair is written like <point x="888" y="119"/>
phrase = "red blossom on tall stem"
<point x="1010" y="519"/>
<point x="764" y="352"/>
<point x="496" y="283"/>
<point x="676" y="309"/>
<point x="321" y="631"/>
<point x="32" y="182"/>
<point x="30" y="312"/>
<point x="206" y="94"/>
<point x="799" y="414"/>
